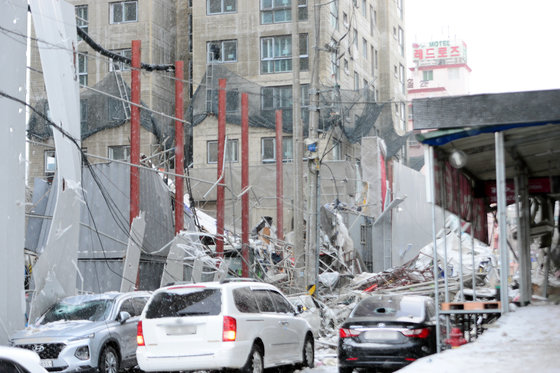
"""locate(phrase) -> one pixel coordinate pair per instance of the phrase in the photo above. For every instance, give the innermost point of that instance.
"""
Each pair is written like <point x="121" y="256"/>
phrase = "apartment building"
<point x="105" y="119"/>
<point x="361" y="84"/>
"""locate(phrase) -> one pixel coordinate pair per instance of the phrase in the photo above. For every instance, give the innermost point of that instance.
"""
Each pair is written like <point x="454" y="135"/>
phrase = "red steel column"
<point x="220" y="202"/>
<point x="245" y="183"/>
<point x="279" y="178"/>
<point x="179" y="148"/>
<point x="135" y="132"/>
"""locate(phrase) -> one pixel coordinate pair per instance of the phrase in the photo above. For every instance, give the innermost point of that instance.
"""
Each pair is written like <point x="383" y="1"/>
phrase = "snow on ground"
<point x="524" y="340"/>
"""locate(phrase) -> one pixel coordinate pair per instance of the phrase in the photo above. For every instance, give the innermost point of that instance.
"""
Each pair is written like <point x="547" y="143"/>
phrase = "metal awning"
<point x="504" y="136"/>
<point x="534" y="146"/>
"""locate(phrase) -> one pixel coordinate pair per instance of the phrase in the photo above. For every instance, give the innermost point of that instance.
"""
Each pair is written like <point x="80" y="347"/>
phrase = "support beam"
<point x="502" y="220"/>
<point x="279" y="178"/>
<point x="220" y="202"/>
<point x="135" y="132"/>
<point x="297" y="203"/>
<point x="179" y="149"/>
<point x="523" y="237"/>
<point x="245" y="184"/>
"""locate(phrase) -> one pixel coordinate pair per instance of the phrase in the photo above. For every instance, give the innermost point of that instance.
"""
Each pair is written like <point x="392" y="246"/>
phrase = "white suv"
<point x="244" y="325"/>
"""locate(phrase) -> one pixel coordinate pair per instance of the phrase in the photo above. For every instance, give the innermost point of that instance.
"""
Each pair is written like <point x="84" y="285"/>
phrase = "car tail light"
<point x="140" y="334"/>
<point x="348" y="333"/>
<point x="416" y="333"/>
<point x="230" y="329"/>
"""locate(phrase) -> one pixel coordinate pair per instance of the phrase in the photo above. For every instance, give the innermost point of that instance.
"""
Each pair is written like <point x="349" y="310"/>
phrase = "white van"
<point x="245" y="325"/>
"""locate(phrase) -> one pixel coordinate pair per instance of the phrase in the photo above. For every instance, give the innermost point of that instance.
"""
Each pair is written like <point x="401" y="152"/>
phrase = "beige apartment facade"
<point x="105" y="119"/>
<point x="360" y="43"/>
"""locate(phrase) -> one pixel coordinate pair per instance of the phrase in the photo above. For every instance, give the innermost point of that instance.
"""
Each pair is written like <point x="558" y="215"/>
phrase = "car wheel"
<point x="255" y="363"/>
<point x="308" y="353"/>
<point x="109" y="360"/>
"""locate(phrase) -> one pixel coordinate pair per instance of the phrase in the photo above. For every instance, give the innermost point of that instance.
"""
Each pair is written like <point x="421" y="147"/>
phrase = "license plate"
<point x="46" y="363"/>
<point x="180" y="330"/>
<point x="381" y="335"/>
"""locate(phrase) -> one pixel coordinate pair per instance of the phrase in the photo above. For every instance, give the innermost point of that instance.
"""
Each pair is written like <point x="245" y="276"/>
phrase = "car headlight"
<point x="82" y="353"/>
<point x="89" y="336"/>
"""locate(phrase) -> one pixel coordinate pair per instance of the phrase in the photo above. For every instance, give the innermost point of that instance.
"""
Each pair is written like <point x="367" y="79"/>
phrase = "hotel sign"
<point x="432" y="53"/>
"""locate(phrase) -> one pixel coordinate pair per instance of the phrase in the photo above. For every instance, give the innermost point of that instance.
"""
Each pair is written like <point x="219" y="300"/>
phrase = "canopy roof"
<point x="530" y="122"/>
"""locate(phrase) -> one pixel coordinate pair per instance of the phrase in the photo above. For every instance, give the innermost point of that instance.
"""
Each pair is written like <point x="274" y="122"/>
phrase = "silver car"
<point x="86" y="333"/>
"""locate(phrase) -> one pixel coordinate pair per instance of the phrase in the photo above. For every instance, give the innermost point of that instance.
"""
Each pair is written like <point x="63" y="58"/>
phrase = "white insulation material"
<point x="54" y="272"/>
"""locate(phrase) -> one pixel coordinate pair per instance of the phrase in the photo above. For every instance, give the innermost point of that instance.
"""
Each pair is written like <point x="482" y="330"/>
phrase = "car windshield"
<point x="395" y="308"/>
<point x="92" y="310"/>
<point x="195" y="302"/>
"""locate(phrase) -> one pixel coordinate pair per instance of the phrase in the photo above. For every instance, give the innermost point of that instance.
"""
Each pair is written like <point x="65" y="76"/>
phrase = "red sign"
<point x="455" y="193"/>
<point x="426" y="54"/>
<point x="537" y="185"/>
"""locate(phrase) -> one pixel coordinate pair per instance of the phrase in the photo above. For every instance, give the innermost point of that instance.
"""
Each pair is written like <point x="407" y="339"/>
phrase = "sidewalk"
<point x="524" y="340"/>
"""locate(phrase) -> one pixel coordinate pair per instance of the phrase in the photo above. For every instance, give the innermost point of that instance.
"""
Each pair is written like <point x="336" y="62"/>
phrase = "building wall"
<point x="436" y="78"/>
<point x="156" y="29"/>
<point x="358" y="51"/>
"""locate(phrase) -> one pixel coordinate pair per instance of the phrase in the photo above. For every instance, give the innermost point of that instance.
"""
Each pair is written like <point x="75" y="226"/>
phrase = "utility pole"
<point x="313" y="242"/>
<point x="297" y="138"/>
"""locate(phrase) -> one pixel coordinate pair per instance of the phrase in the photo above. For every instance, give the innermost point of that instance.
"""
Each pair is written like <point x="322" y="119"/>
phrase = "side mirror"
<point x="300" y="308"/>
<point x="123" y="316"/>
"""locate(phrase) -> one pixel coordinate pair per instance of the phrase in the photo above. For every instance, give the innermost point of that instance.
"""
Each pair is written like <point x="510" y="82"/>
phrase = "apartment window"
<point x="401" y="41"/>
<point x="428" y="75"/>
<point x="363" y="234"/>
<point x="268" y="149"/>
<point x="334" y="65"/>
<point x="375" y="60"/>
<point x="346" y="70"/>
<point x="287" y="148"/>
<point x="82" y="18"/>
<point x="371" y="20"/>
<point x="356" y="81"/>
<point x="221" y="6"/>
<point x="364" y="8"/>
<point x="276" y="54"/>
<point x="123" y="11"/>
<point x="232" y="101"/>
<point x="280" y="11"/>
<point x="334" y="14"/>
<point x="336" y="150"/>
<point x="372" y="53"/>
<point x="119" y="152"/>
<point x="117" y="65"/>
<point x="402" y="78"/>
<point x="345" y="19"/>
<point x="364" y="48"/>
<point x="117" y="110"/>
<point x="302" y="10"/>
<point x="83" y="112"/>
<point x="355" y="42"/>
<point x="402" y="115"/>
<point x="400" y="9"/>
<point x="280" y="97"/>
<point x="83" y="68"/>
<point x="50" y="161"/>
<point x="232" y="151"/>
<point x="222" y="51"/>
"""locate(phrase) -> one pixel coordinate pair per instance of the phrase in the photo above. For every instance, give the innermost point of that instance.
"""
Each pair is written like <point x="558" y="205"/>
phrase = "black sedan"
<point x="387" y="332"/>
